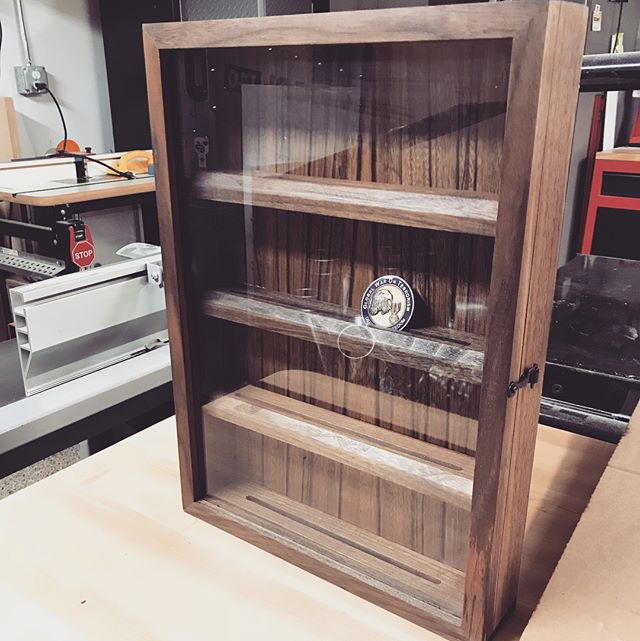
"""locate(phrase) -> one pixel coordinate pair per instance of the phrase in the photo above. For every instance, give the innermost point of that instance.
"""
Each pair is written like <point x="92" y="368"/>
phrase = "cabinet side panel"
<point x="187" y="419"/>
<point x="558" y="101"/>
<point x="543" y="90"/>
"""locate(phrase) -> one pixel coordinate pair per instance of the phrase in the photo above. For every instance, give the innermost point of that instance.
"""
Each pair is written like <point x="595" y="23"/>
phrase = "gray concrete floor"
<point x="40" y="470"/>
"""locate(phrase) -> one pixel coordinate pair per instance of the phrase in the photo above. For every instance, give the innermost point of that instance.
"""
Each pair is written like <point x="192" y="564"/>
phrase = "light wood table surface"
<point x="103" y="551"/>
<point x="620" y="153"/>
<point x="37" y="182"/>
<point x="593" y="594"/>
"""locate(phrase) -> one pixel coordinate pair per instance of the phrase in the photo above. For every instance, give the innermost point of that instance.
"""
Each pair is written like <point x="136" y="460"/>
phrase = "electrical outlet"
<point x="26" y="78"/>
<point x="596" y="18"/>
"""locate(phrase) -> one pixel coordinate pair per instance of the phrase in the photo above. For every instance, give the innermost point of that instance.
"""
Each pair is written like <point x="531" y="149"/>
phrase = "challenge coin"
<point x="387" y="303"/>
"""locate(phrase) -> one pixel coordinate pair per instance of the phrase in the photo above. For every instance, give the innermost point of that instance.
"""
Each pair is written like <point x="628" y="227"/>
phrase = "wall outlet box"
<point x="26" y="78"/>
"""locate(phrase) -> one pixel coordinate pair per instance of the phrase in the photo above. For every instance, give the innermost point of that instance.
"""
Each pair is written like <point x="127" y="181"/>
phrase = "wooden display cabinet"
<point x="298" y="159"/>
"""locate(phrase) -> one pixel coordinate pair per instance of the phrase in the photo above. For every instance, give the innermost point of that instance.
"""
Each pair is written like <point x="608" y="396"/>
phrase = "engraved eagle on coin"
<point x="387" y="303"/>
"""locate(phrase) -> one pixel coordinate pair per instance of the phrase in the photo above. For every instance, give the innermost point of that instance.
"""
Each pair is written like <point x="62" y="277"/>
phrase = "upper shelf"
<point x="460" y="357"/>
<point x="463" y="212"/>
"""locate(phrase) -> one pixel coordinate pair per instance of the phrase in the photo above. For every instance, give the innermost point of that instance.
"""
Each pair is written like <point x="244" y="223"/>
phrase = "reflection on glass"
<point x="309" y="172"/>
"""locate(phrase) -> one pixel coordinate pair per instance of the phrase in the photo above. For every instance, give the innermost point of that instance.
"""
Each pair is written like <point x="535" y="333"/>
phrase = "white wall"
<point x="66" y="38"/>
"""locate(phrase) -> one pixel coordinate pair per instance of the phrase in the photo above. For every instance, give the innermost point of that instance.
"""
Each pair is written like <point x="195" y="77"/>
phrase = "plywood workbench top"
<point x="103" y="551"/>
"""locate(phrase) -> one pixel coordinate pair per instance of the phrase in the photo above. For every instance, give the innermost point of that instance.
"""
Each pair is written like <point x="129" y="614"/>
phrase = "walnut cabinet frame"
<point x="430" y="141"/>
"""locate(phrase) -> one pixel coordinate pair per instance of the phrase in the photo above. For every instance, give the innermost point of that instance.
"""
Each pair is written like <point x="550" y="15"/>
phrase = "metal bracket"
<point x="530" y="376"/>
<point x="155" y="275"/>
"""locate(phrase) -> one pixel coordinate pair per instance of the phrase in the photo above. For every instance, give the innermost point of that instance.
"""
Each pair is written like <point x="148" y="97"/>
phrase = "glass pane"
<point x="340" y="411"/>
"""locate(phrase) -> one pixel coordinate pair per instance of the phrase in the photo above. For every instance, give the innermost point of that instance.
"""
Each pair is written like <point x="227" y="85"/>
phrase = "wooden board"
<point x="627" y="154"/>
<point x="386" y="566"/>
<point x="330" y="325"/>
<point x="406" y="416"/>
<point x="116" y="533"/>
<point x="332" y="260"/>
<point x="403" y="25"/>
<point x="9" y="139"/>
<point x="448" y="211"/>
<point x="372" y="504"/>
<point x="537" y="151"/>
<point x="400" y="459"/>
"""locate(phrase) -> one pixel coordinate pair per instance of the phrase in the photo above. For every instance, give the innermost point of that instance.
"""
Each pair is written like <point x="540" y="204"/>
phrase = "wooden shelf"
<point x="385" y="566"/>
<point x="418" y="420"/>
<point x="464" y="212"/>
<point x="442" y="354"/>
<point x="411" y="463"/>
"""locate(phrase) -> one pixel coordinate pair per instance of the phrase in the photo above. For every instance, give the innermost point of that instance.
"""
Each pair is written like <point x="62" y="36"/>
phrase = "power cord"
<point x="42" y="85"/>
<point x="129" y="175"/>
<point x="615" y="35"/>
<point x="1" y="38"/>
<point x="67" y="154"/>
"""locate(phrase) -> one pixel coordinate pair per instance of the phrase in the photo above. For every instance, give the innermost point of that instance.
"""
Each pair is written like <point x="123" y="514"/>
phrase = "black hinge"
<point x="530" y="376"/>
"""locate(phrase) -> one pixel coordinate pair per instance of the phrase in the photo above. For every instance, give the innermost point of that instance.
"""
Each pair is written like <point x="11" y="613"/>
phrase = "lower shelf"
<point x="419" y="466"/>
<point x="387" y="567"/>
<point x="418" y="420"/>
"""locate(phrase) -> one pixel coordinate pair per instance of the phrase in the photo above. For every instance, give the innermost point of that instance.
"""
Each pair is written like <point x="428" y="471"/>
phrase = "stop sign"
<point x="81" y="250"/>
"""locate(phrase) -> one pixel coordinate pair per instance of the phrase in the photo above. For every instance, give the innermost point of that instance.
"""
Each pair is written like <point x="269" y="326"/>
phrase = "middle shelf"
<point x="409" y="462"/>
<point x="439" y="351"/>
